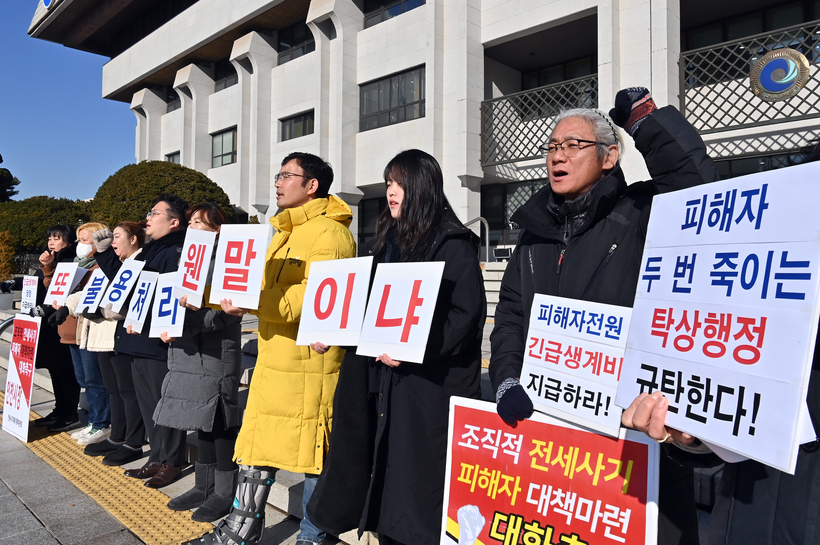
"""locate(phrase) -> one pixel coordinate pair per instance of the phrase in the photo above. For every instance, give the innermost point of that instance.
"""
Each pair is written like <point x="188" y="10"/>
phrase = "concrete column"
<point x="194" y="87"/>
<point x="148" y="108"/>
<point x="254" y="58"/>
<point x="666" y="52"/>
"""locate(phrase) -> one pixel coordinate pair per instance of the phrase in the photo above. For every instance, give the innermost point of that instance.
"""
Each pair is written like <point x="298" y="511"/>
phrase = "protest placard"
<point x="166" y="314"/>
<point x="573" y="359"/>
<point x="29" y="296"/>
<point x="140" y="305"/>
<point x="20" y="375"/>
<point x="122" y="284"/>
<point x="65" y="279"/>
<point x="726" y="312"/>
<point x="93" y="292"/>
<point x="334" y="303"/>
<point x="194" y="265"/>
<point x="400" y="310"/>
<point x="545" y="481"/>
<point x="240" y="265"/>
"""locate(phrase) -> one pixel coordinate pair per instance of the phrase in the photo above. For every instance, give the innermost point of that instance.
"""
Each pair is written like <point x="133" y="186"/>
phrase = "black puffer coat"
<point x="591" y="249"/>
<point x="49" y="349"/>
<point x="398" y="434"/>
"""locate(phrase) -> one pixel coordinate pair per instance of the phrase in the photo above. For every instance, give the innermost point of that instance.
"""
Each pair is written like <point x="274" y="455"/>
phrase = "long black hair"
<point x="422" y="209"/>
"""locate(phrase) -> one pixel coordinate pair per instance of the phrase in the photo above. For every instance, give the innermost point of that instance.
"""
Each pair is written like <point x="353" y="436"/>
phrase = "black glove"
<point x="632" y="106"/>
<point x="58" y="316"/>
<point x="43" y="311"/>
<point x="512" y="402"/>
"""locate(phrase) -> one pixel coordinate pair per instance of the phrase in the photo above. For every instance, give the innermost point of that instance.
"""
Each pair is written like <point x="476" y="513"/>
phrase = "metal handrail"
<point x="4" y="325"/>
<point x="486" y="230"/>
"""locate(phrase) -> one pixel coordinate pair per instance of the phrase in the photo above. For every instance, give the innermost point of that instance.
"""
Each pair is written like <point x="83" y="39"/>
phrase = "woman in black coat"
<point x="388" y="447"/>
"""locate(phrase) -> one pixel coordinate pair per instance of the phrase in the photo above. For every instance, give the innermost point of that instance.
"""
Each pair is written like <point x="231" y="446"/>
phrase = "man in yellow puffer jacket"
<point x="288" y="416"/>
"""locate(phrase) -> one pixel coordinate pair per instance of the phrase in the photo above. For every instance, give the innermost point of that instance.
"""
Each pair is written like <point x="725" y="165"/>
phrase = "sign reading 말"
<point x="334" y="303"/>
<point x="20" y="375"/>
<point x="400" y="310"/>
<point x="573" y="359"/>
<point x="240" y="265"/>
<point x="65" y="279"/>
<point x="194" y="265"/>
<point x="726" y="312"/>
<point x="545" y="482"/>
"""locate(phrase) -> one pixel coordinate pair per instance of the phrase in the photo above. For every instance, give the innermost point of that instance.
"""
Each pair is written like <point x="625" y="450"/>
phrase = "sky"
<point x="58" y="136"/>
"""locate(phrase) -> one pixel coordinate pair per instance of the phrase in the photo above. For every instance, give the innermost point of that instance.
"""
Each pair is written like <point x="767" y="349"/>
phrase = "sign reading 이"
<point x="726" y="311"/>
<point x="545" y="482"/>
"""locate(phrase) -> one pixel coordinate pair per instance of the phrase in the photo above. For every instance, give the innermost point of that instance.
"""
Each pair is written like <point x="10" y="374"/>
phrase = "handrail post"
<point x="486" y="230"/>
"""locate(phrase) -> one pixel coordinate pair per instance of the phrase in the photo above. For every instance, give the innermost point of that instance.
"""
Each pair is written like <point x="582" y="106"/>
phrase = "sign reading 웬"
<point x="726" y="311"/>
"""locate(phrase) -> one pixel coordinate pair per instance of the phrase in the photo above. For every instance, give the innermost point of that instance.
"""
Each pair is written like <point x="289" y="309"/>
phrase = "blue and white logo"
<point x="779" y="74"/>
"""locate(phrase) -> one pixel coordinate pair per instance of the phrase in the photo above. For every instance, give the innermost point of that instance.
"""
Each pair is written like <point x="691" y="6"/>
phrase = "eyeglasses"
<point x="570" y="147"/>
<point x="152" y="213"/>
<point x="286" y="175"/>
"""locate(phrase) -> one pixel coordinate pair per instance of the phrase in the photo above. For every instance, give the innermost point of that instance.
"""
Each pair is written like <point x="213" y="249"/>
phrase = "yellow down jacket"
<point x="290" y="403"/>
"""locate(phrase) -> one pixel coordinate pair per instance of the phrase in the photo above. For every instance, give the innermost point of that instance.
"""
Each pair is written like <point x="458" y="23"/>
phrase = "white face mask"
<point x="84" y="249"/>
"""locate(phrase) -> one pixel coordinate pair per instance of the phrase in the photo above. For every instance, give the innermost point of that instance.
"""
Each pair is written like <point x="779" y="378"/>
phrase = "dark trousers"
<point x="167" y="444"/>
<point x="217" y="446"/>
<point x="66" y="388"/>
<point x="126" y="418"/>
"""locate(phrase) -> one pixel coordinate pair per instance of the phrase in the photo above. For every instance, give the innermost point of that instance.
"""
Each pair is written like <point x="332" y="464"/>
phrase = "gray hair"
<point x="603" y="129"/>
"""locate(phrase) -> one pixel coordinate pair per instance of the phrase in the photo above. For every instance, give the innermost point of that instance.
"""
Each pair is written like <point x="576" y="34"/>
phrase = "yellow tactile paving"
<point x="142" y="510"/>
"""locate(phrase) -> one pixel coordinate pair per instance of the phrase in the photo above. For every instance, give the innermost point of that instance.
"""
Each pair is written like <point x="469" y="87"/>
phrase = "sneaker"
<point x="102" y="448"/>
<point x="81" y="432"/>
<point x="66" y="424"/>
<point x="123" y="455"/>
<point x="95" y="436"/>
<point x="47" y="420"/>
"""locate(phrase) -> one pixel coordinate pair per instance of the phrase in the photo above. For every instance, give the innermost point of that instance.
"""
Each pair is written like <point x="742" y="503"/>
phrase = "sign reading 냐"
<point x="545" y="482"/>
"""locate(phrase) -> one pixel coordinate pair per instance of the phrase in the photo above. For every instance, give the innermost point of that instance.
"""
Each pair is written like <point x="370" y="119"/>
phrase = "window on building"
<point x="560" y="72"/>
<point x="732" y="168"/>
<point x="499" y="202"/>
<point x="393" y="99"/>
<point x="296" y="126"/>
<point x="173" y="101"/>
<point x="295" y="41"/>
<point x="376" y="11"/>
<point x="369" y="212"/>
<point x="173" y="158"/>
<point x="224" y="75"/>
<point x="224" y="148"/>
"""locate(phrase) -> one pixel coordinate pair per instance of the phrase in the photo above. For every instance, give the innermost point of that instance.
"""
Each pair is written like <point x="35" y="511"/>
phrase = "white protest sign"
<point x="573" y="360"/>
<point x="29" y="295"/>
<point x="240" y="265"/>
<point x="400" y="310"/>
<point x="194" y="265"/>
<point x="726" y="311"/>
<point x="166" y="314"/>
<point x="93" y="292"/>
<point x="20" y="375"/>
<point x="122" y="284"/>
<point x="334" y="303"/>
<point x="140" y="304"/>
<point x="65" y="279"/>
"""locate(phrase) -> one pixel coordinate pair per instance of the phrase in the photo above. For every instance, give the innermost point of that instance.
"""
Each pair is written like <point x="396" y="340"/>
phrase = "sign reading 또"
<point x="20" y="375"/>
<point x="93" y="292"/>
<point x="400" y="310"/>
<point x="166" y="314"/>
<point x="573" y="359"/>
<point x="140" y="304"/>
<point x="726" y="312"/>
<point x="240" y="265"/>
<point x="334" y="303"/>
<point x="194" y="265"/>
<point x="29" y="296"/>
<point x="122" y="284"/>
<point x="65" y="279"/>
<point x="545" y="482"/>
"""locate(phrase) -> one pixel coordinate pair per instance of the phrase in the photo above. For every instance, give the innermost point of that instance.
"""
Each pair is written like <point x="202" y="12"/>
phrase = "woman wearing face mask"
<point x="200" y="391"/>
<point x="75" y="334"/>
<point x="388" y="447"/>
<point x="51" y="353"/>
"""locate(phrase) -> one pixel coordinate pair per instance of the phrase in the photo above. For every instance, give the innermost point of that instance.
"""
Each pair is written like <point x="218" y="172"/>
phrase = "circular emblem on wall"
<point x="779" y="75"/>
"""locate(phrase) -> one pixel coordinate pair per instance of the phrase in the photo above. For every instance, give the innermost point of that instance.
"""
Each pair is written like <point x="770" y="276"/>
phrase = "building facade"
<point x="229" y="87"/>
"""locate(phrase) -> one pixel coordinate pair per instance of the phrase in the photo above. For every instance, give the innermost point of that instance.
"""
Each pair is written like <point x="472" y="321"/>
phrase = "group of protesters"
<point x="370" y="433"/>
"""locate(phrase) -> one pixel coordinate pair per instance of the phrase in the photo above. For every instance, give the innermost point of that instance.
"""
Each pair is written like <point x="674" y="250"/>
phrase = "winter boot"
<point x="246" y="522"/>
<point x="219" y="503"/>
<point x="202" y="490"/>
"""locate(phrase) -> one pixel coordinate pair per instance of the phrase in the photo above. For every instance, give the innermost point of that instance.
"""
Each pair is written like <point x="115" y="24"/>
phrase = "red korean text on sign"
<point x="195" y="256"/>
<point x="238" y="252"/>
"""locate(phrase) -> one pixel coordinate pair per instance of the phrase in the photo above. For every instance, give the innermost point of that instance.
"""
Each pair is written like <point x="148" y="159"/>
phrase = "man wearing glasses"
<point x="582" y="238"/>
<point x="288" y="415"/>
